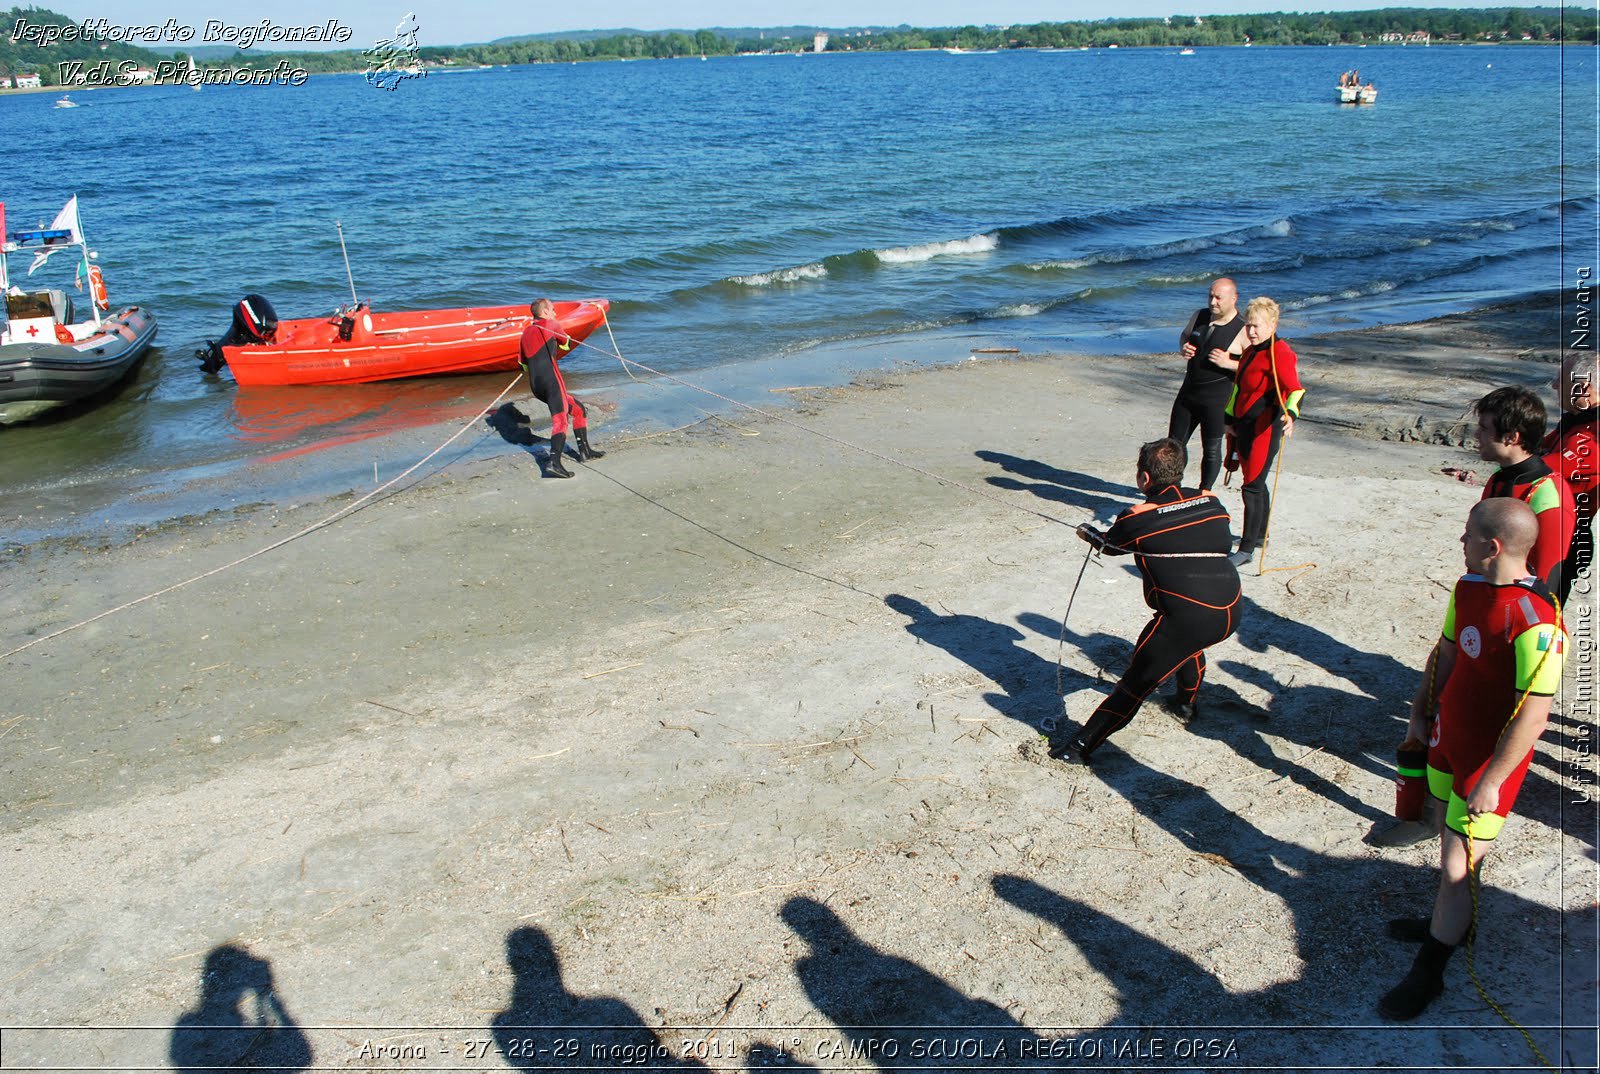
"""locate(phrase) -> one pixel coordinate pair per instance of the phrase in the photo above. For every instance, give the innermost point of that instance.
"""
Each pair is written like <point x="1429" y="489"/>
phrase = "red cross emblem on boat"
<point x="33" y="330"/>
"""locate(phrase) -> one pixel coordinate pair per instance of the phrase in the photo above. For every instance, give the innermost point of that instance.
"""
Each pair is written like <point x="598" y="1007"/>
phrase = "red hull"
<point x="423" y="343"/>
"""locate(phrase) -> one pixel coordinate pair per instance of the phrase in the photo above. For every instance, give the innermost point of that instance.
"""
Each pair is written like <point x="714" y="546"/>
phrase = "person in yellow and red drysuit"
<point x="1262" y="411"/>
<point x="1495" y="669"/>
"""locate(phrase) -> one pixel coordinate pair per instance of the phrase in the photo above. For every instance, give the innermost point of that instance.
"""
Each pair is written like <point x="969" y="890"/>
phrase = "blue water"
<point x="745" y="210"/>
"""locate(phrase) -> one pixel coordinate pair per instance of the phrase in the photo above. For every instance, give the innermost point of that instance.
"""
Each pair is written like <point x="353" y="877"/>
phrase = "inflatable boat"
<point x="355" y="345"/>
<point x="51" y="352"/>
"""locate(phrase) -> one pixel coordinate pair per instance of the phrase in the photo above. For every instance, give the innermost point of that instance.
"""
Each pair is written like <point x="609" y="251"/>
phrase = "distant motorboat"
<point x="66" y="102"/>
<point x="1187" y="52"/>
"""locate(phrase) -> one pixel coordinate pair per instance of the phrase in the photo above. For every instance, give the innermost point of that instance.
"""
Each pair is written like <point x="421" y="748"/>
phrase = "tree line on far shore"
<point x="1441" y="25"/>
<point x="1482" y="25"/>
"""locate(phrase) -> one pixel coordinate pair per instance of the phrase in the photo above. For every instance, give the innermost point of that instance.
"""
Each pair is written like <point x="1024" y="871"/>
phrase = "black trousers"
<point x="1170" y="644"/>
<point x="1197" y="411"/>
<point x="1257" y="498"/>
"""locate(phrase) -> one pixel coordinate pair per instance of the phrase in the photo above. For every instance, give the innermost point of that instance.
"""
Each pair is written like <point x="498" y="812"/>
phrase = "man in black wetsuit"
<point x="1212" y="342"/>
<point x="1180" y="539"/>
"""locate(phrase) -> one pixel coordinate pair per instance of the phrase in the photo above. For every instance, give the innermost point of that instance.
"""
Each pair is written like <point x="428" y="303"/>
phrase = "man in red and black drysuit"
<point x="1510" y="430"/>
<point x="1211" y="341"/>
<point x="1495" y="669"/>
<point x="1180" y="539"/>
<point x="543" y="342"/>
<point x="1572" y="450"/>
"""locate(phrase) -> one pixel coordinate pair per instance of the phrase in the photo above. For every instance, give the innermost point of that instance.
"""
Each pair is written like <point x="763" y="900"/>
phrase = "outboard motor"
<point x="254" y="322"/>
<point x="355" y="321"/>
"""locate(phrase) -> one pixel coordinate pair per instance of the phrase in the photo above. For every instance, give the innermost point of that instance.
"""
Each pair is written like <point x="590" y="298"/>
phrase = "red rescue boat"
<point x="357" y="346"/>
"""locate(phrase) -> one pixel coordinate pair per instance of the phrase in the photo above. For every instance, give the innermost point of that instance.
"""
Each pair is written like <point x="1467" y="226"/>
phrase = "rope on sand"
<point x="891" y="460"/>
<point x="341" y="513"/>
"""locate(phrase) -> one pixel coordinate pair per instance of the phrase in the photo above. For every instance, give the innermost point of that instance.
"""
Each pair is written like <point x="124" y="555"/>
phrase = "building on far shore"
<point x="27" y="82"/>
<point x="819" y="43"/>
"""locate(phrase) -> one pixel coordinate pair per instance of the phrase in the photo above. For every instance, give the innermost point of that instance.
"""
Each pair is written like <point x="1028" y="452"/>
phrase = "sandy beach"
<point x="730" y="742"/>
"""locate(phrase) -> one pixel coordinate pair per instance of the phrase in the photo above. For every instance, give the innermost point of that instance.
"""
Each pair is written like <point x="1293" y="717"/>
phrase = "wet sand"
<point x="728" y="740"/>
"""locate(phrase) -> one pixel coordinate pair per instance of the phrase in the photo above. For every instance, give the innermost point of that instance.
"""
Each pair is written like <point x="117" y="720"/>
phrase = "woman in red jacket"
<point x="1266" y="400"/>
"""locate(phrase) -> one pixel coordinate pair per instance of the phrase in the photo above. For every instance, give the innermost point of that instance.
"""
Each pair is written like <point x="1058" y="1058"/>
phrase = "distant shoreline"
<point x="470" y="66"/>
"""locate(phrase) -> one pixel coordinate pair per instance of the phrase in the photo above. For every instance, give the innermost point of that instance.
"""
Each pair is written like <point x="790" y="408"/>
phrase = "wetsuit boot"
<point x="585" y="450"/>
<point x="1076" y="750"/>
<point x="1187" y="711"/>
<point x="554" y="467"/>
<point x="1421" y="986"/>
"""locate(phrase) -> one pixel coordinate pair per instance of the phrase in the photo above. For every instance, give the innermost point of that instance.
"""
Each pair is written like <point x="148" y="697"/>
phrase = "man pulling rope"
<point x="1180" y="539"/>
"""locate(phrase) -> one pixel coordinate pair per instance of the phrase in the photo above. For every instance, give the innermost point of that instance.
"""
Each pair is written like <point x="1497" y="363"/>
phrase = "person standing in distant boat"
<point x="543" y="342"/>
<point x="1262" y="411"/>
<point x="1212" y="342"/>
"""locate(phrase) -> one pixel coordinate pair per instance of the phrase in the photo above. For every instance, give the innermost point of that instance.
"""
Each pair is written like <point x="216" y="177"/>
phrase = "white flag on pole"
<point x="66" y="220"/>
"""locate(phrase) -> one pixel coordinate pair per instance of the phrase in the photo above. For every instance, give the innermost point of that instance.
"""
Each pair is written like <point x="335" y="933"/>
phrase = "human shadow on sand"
<point x="1051" y="483"/>
<point x="893" y="1012"/>
<point x="512" y="424"/>
<point x="547" y="1026"/>
<point x="1365" y="730"/>
<point x="239" y="1022"/>
<point x="1387" y="683"/>
<point x="992" y="650"/>
<point x="1363" y="892"/>
<point x="1338" y="906"/>
<point x="1225" y="716"/>
<point x="1329" y="1005"/>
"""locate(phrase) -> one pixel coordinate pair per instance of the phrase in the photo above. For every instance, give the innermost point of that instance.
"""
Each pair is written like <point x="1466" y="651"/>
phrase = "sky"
<point x="454" y="22"/>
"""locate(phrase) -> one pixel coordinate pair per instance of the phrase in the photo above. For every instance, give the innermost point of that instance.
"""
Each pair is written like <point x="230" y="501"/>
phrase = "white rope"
<point x="341" y="513"/>
<point x="774" y="416"/>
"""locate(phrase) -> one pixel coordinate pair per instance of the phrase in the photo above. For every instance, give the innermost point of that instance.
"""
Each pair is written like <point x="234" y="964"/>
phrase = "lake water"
<point x="758" y="212"/>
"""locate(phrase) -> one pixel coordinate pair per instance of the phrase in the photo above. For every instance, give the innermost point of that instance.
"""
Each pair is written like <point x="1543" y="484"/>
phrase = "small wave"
<point x="1278" y="229"/>
<point x="1452" y="271"/>
<point x="1072" y="225"/>
<point x="1020" y="309"/>
<point x="905" y="255"/>
<point x="813" y="271"/>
